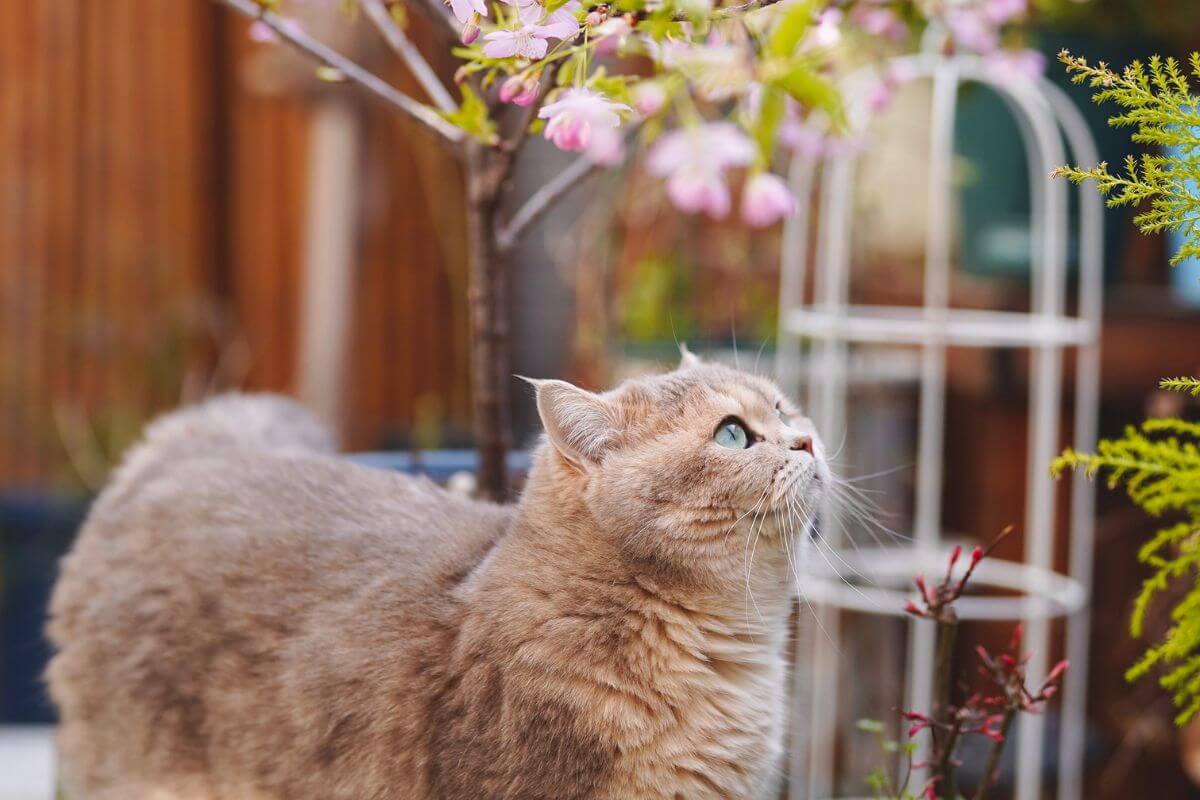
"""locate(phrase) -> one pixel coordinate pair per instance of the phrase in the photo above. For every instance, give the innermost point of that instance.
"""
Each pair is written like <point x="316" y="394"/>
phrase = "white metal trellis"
<point x="1045" y="117"/>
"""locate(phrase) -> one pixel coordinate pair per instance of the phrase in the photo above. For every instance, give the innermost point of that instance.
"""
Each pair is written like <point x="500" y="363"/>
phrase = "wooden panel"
<point x="153" y="171"/>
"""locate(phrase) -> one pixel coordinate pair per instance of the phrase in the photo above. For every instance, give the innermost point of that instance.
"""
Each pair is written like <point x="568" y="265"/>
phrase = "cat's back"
<point x="280" y="510"/>
<point x="216" y="599"/>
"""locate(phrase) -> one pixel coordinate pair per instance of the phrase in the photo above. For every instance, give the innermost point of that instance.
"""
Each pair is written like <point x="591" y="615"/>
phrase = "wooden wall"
<point x="153" y="171"/>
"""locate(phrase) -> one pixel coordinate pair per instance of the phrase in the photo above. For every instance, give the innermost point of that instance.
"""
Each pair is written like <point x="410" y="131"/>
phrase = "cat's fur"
<point x="247" y="616"/>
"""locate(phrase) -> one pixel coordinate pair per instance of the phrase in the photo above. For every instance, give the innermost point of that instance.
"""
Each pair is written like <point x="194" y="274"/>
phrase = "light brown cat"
<point x="246" y="615"/>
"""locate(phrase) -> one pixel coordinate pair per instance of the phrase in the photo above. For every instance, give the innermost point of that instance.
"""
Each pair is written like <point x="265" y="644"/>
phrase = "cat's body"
<point x="251" y="619"/>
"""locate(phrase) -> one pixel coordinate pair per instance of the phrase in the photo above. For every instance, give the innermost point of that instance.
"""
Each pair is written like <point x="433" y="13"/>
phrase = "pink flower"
<point x="528" y="94"/>
<point x="879" y="21"/>
<point x="470" y="31"/>
<point x="562" y="23"/>
<point x="528" y="41"/>
<point x="827" y="33"/>
<point x="973" y="31"/>
<point x="1006" y="65"/>
<point x="694" y="161"/>
<point x="463" y="9"/>
<point x="611" y="35"/>
<point x="649" y="97"/>
<point x="811" y="142"/>
<point x="999" y="12"/>
<point x="585" y="121"/>
<point x="882" y="94"/>
<point x="766" y="200"/>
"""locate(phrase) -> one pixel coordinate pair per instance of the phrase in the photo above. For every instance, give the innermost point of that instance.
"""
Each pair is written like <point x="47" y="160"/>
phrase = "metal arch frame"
<point x="1046" y="116"/>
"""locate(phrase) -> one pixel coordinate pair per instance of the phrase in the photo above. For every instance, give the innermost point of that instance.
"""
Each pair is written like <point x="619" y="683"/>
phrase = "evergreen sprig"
<point x="1156" y="100"/>
<point x="1158" y="464"/>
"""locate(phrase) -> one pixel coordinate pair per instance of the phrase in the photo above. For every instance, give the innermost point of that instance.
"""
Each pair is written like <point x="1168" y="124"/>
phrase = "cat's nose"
<point x="802" y="443"/>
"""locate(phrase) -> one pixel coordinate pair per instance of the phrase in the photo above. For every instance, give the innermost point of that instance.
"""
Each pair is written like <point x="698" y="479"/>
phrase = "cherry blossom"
<point x="694" y="159"/>
<point x="562" y="23"/>
<point x="519" y="90"/>
<point x="878" y="20"/>
<point x="1006" y="65"/>
<point x="999" y="12"/>
<point x="828" y="32"/>
<point x="766" y="199"/>
<point x="649" y="97"/>
<point x="528" y="41"/>
<point x="464" y="10"/>
<point x="583" y="120"/>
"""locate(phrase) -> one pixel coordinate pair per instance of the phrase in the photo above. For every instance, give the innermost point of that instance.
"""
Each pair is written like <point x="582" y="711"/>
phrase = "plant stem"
<point x="947" y="628"/>
<point x="488" y="298"/>
<point x="993" y="760"/>
<point x="541" y="200"/>
<point x="418" y="112"/>
<point x="408" y="52"/>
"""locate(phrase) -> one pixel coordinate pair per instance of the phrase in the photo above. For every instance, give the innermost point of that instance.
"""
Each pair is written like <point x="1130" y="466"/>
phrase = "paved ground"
<point x="26" y="762"/>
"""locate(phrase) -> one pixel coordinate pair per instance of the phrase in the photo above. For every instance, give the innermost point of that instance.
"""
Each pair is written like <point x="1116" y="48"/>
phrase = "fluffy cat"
<point x="247" y="616"/>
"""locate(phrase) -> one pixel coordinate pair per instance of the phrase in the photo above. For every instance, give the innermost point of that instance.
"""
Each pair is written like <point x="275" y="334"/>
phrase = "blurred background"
<point x="174" y="198"/>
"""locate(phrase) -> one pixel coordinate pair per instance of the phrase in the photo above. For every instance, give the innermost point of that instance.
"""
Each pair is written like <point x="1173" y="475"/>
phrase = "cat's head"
<point x="682" y="467"/>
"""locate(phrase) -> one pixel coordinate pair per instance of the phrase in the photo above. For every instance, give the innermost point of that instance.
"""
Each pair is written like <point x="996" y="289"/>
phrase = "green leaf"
<point x="795" y="21"/>
<point x="812" y="90"/>
<point x="771" y="112"/>
<point x="472" y="117"/>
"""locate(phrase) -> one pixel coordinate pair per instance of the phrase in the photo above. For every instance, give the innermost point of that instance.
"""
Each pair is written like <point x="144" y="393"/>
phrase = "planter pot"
<point x="36" y="529"/>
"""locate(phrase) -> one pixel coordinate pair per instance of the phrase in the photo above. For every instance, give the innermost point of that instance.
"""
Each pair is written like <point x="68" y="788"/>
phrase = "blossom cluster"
<point x="713" y="88"/>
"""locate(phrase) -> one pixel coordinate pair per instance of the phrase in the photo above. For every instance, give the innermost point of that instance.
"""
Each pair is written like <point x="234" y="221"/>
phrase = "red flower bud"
<point x="1014" y="643"/>
<point x="954" y="554"/>
<point x="976" y="555"/>
<point x="1058" y="670"/>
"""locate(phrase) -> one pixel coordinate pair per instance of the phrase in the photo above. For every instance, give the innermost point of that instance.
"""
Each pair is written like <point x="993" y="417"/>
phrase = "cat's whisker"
<point x="812" y="611"/>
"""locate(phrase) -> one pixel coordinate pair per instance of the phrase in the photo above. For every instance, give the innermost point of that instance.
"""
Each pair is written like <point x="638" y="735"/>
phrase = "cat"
<point x="246" y="615"/>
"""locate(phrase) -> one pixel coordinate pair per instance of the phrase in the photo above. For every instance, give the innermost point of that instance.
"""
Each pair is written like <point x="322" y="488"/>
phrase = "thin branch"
<point x="447" y="26"/>
<point x="541" y="200"/>
<point x="408" y="52"/>
<point x="331" y="58"/>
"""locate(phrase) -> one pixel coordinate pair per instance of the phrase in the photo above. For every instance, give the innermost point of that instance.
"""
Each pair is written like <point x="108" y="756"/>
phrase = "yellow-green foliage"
<point x="1156" y="100"/>
<point x="1158" y="464"/>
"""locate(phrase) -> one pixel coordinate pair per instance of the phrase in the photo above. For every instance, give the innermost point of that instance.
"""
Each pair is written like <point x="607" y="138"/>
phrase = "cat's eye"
<point x="732" y="433"/>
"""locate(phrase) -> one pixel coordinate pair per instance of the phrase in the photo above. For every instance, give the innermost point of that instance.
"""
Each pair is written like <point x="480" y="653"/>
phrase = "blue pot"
<point x="1185" y="276"/>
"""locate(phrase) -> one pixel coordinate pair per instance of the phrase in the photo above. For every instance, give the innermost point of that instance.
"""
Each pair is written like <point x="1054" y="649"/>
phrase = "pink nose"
<point x="803" y="443"/>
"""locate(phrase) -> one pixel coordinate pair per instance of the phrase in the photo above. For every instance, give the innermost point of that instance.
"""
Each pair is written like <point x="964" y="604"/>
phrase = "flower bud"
<point x="460" y="75"/>
<point x="528" y="94"/>
<point x="470" y="31"/>
<point x="766" y="200"/>
<point x="511" y="88"/>
<point x="649" y="97"/>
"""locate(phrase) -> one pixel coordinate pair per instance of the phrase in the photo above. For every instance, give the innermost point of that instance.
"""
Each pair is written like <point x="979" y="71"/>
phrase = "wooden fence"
<point x="153" y="176"/>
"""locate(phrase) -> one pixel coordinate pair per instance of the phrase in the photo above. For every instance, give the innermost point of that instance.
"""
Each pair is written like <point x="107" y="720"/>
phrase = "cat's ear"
<point x="580" y="424"/>
<point x="687" y="358"/>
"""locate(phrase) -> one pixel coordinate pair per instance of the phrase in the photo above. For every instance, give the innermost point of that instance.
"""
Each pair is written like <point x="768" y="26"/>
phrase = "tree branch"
<point x="369" y="81"/>
<point x="445" y="24"/>
<point x="408" y="52"/>
<point x="541" y="200"/>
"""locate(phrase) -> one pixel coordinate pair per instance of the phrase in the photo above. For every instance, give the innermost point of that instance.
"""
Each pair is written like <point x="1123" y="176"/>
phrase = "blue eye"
<point x="732" y="434"/>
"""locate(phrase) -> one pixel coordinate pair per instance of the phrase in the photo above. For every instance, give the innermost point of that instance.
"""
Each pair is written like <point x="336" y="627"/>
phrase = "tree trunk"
<point x="488" y="298"/>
